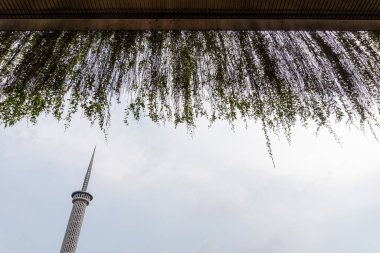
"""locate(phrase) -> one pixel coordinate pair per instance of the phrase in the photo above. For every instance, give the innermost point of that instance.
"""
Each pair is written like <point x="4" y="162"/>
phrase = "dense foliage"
<point x="276" y="78"/>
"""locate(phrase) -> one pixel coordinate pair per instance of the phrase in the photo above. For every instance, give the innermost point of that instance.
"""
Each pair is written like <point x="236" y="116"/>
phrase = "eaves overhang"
<point x="190" y="15"/>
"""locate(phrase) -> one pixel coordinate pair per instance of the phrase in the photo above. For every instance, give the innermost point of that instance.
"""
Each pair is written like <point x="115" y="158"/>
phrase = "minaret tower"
<point x="81" y="199"/>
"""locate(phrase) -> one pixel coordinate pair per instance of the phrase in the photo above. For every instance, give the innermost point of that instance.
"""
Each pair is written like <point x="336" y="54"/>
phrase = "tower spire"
<point x="88" y="173"/>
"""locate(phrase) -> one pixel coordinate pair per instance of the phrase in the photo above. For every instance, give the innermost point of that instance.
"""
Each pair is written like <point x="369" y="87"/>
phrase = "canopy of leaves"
<point x="274" y="77"/>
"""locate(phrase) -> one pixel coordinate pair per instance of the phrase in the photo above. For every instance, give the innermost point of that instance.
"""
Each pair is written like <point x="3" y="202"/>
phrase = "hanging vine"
<point x="274" y="77"/>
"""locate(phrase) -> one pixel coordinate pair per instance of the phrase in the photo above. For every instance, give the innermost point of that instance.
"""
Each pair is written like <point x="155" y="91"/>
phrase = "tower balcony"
<point x="81" y="196"/>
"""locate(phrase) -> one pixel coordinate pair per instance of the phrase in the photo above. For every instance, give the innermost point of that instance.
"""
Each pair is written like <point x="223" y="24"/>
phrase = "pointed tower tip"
<point x="88" y="173"/>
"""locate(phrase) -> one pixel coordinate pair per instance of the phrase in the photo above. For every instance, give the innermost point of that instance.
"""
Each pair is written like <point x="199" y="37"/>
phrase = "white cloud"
<point x="160" y="190"/>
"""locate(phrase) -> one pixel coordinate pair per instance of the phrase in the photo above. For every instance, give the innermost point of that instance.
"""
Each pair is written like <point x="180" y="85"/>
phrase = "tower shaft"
<point x="80" y="201"/>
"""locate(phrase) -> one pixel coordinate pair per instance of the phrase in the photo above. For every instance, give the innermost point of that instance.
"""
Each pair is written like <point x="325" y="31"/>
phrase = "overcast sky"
<point x="160" y="190"/>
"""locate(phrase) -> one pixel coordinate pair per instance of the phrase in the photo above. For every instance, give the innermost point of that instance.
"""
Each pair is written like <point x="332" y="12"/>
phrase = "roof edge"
<point x="188" y="24"/>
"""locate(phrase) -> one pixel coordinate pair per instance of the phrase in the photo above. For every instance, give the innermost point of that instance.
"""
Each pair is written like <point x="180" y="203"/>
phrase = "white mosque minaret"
<point x="81" y="199"/>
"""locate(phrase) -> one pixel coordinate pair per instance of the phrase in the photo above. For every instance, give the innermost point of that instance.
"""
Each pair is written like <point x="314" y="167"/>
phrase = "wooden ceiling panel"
<point x="119" y="8"/>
